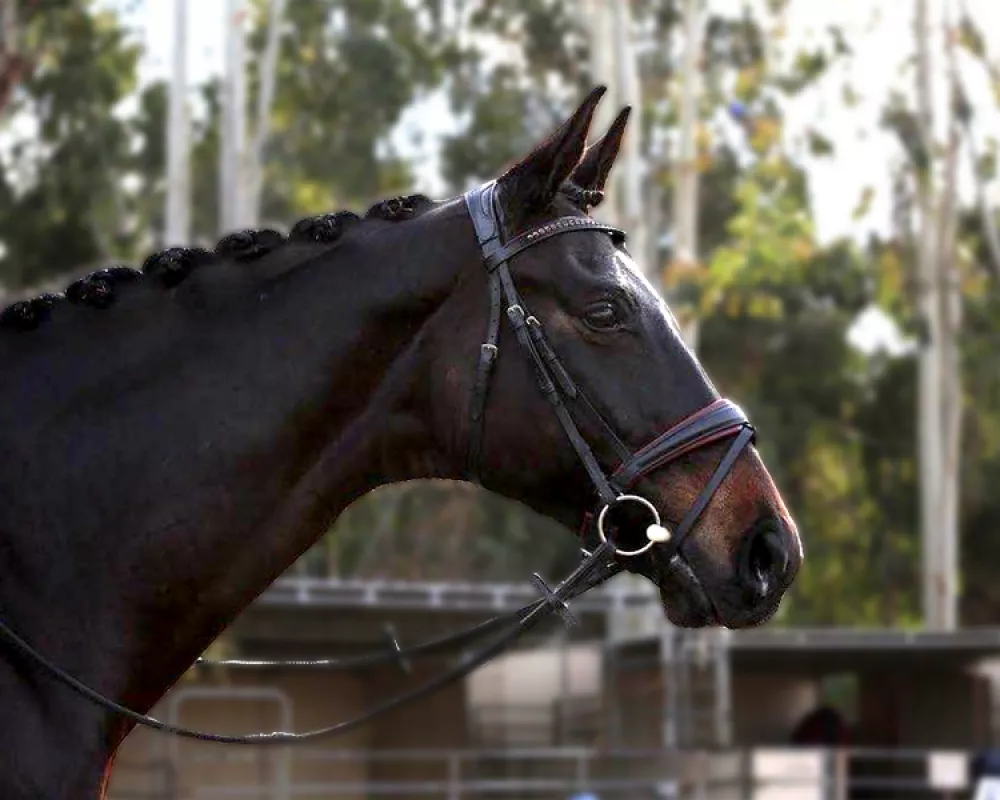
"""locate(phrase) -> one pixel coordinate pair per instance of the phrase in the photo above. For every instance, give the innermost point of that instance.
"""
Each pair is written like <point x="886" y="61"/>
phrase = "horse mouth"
<point x="687" y="600"/>
<point x="684" y="598"/>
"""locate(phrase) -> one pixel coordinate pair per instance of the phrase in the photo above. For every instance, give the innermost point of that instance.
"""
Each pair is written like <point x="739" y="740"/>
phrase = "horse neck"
<point x="204" y="470"/>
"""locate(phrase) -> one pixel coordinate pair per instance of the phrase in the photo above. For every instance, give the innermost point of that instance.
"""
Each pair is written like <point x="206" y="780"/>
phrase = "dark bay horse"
<point x="173" y="439"/>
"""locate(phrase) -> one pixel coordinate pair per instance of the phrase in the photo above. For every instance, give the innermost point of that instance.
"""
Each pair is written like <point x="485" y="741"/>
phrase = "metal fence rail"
<point x="559" y="773"/>
<point x="615" y="596"/>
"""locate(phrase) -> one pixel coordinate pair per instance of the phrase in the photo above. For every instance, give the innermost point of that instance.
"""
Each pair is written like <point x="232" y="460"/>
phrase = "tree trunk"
<point x="939" y="304"/>
<point x="686" y="165"/>
<point x="178" y="201"/>
<point x="232" y="156"/>
<point x="265" y="99"/>
<point x="950" y="298"/>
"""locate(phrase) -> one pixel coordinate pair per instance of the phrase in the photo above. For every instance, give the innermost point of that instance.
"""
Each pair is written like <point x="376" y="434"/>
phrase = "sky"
<point x="880" y="31"/>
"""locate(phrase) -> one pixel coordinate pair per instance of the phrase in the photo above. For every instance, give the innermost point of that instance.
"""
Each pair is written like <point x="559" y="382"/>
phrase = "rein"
<point x="593" y="571"/>
<point x="719" y="420"/>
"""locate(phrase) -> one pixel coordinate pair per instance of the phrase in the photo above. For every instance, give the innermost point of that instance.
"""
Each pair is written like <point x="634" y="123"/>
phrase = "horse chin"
<point x="683" y="596"/>
<point x="688" y="601"/>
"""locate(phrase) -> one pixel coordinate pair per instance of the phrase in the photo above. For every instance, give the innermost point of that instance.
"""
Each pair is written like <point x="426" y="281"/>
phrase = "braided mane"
<point x="168" y="268"/>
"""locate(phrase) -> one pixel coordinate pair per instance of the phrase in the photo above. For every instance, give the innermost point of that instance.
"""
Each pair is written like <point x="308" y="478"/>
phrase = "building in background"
<point x="561" y="714"/>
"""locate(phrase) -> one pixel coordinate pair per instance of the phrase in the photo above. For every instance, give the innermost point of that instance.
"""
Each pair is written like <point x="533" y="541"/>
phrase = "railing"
<point x="560" y="773"/>
<point x="485" y="597"/>
<point x="567" y="721"/>
<point x="157" y="780"/>
<point x="464" y="775"/>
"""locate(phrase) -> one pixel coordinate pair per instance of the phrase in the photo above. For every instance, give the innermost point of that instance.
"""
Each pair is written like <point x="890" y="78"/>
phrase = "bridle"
<point x="719" y="420"/>
<point x="602" y="559"/>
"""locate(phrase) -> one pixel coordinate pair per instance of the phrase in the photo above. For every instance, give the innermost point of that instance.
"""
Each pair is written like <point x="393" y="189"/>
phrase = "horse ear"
<point x="531" y="184"/>
<point x="593" y="170"/>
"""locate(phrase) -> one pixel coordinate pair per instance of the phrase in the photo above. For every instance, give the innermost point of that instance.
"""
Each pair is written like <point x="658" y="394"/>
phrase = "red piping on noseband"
<point x="673" y="454"/>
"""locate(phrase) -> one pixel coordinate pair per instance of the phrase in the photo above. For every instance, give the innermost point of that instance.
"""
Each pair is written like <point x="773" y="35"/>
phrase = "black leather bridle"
<point x="603" y="559"/>
<point x="719" y="420"/>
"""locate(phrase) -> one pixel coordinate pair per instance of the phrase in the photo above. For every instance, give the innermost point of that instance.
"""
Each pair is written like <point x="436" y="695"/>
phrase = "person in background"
<point x="822" y="727"/>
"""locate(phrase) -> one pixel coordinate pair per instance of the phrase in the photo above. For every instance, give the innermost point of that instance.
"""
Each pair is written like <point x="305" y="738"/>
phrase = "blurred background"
<point x="813" y="187"/>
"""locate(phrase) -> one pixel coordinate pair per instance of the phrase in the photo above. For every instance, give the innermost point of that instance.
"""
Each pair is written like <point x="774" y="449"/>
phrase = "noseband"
<point x="719" y="420"/>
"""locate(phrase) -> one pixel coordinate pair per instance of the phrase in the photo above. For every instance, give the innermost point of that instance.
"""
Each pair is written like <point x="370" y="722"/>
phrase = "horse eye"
<point x="602" y="317"/>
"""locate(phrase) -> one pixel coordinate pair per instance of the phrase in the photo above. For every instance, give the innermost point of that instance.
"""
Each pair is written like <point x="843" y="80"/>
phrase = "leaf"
<point x="987" y="164"/>
<point x="841" y="46"/>
<point x="819" y="145"/>
<point x="864" y="204"/>
<point x="971" y="38"/>
<point x="748" y="83"/>
<point x="849" y="95"/>
<point x="766" y="132"/>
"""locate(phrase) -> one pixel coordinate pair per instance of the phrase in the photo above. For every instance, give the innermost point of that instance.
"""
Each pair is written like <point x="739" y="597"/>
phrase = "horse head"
<point x="628" y="390"/>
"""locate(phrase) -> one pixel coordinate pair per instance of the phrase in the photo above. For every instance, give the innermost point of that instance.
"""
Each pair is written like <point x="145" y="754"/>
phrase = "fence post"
<point x="454" y="776"/>
<point x="582" y="772"/>
<point x="703" y="774"/>
<point x="841" y="774"/>
<point x="746" y="774"/>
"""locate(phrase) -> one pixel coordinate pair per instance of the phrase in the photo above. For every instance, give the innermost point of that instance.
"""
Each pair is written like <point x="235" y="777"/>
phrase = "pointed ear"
<point x="593" y="170"/>
<point x="532" y="184"/>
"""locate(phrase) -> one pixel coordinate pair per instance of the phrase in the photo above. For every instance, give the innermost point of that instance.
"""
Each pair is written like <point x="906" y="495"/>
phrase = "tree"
<point x="347" y="71"/>
<point x="61" y="204"/>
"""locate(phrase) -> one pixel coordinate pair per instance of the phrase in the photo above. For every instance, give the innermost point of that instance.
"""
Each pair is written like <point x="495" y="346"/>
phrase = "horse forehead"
<point x="629" y="271"/>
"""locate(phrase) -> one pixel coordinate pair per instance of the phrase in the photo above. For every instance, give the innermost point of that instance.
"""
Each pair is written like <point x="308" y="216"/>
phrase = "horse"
<point x="175" y="437"/>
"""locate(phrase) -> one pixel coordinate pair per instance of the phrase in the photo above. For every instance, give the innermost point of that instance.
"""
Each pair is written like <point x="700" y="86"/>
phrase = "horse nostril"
<point x="765" y="562"/>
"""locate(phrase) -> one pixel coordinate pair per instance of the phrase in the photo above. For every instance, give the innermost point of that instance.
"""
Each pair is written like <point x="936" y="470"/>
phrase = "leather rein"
<point x="604" y="558"/>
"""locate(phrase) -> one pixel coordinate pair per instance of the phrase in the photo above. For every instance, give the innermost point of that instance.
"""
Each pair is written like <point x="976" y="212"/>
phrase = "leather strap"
<point x="562" y="225"/>
<point x="552" y="377"/>
<point x="487" y="228"/>
<point x="717" y="421"/>
<point x="687" y="524"/>
<point x="488" y="352"/>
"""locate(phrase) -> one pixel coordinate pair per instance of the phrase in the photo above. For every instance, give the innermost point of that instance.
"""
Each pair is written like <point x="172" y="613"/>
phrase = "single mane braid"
<point x="169" y="267"/>
<point x="248" y="245"/>
<point x="396" y="209"/>
<point x="27" y="315"/>
<point x="173" y="265"/>
<point x="322" y="229"/>
<point x="97" y="290"/>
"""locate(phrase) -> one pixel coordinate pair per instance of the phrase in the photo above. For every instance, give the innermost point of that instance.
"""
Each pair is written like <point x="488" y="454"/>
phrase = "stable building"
<point x="618" y="704"/>
<point x="895" y="689"/>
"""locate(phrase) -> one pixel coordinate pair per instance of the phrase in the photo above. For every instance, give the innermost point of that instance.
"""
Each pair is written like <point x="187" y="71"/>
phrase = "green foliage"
<point x="61" y="203"/>
<point x="779" y="344"/>
<point x="776" y="309"/>
<point x="770" y="240"/>
<point x="903" y="123"/>
<point x="980" y="451"/>
<point x="506" y="114"/>
<point x="347" y="71"/>
<point x="439" y="530"/>
<point x="971" y="38"/>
